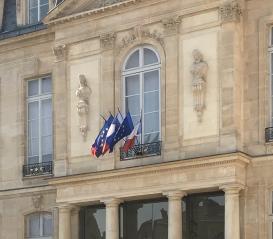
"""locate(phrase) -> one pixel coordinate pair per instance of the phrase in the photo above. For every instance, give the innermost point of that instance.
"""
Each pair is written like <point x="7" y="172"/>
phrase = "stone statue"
<point x="83" y="93"/>
<point x="199" y="71"/>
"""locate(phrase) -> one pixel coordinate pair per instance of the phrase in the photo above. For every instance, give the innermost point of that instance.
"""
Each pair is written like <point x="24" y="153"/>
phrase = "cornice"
<point x="55" y="20"/>
<point x="238" y="159"/>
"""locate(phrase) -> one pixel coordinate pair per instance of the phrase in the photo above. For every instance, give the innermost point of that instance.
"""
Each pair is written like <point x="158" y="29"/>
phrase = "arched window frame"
<point x="41" y="224"/>
<point x="141" y="70"/>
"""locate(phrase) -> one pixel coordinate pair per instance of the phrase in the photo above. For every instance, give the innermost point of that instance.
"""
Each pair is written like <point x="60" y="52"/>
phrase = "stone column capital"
<point x="234" y="188"/>
<point x="65" y="207"/>
<point x="111" y="202"/>
<point x="175" y="195"/>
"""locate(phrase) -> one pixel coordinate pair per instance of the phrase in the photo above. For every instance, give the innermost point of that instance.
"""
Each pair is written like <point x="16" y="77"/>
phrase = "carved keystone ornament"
<point x="230" y="11"/>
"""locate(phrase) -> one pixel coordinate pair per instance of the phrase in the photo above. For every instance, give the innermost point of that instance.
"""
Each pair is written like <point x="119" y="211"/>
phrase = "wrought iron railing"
<point x="38" y="169"/>
<point x="269" y="134"/>
<point x="141" y="150"/>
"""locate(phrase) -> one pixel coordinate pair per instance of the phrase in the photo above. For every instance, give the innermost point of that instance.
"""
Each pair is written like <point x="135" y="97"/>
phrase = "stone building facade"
<point x="204" y="168"/>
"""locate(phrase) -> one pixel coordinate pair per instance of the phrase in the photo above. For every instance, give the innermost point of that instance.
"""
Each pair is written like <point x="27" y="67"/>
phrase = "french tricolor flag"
<point x="130" y="141"/>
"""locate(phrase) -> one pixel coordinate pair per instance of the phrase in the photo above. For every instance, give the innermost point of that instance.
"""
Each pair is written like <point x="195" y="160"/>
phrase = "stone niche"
<point x="206" y="42"/>
<point x="90" y="68"/>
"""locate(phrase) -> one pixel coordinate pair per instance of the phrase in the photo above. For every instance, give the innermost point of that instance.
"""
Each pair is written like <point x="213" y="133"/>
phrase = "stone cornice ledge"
<point x="239" y="159"/>
<point x="57" y="20"/>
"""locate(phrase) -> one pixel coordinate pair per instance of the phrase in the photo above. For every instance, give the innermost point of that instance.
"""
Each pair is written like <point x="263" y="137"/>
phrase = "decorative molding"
<point x="83" y="93"/>
<point x="60" y="52"/>
<point x="107" y="40"/>
<point x="57" y="16"/>
<point x="236" y="159"/>
<point x="230" y="11"/>
<point x="199" y="71"/>
<point x="138" y="34"/>
<point x="171" y="24"/>
<point x="37" y="201"/>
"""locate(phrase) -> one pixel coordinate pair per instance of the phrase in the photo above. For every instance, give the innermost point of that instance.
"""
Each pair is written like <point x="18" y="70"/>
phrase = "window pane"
<point x="46" y="108"/>
<point x="46" y="85"/>
<point x="33" y="129"/>
<point x="132" y="85"/>
<point x="160" y="219"/>
<point x="151" y="102"/>
<point x="47" y="224"/>
<point x="94" y="225"/>
<point x="151" y="122"/>
<point x="34" y="225"/>
<point x="147" y="220"/>
<point x="33" y="110"/>
<point x="149" y="57"/>
<point x="33" y="15"/>
<point x="133" y="105"/>
<point x="43" y="11"/>
<point x="47" y="148"/>
<point x="33" y="147"/>
<point x="33" y="160"/>
<point x="205" y="215"/>
<point x="151" y="81"/>
<point x="33" y="3"/>
<point x="133" y="60"/>
<point x="43" y="2"/>
<point x="33" y="87"/>
<point x="151" y="138"/>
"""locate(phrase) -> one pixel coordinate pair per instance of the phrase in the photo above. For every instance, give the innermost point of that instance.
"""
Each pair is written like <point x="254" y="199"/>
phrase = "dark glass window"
<point x="204" y="216"/>
<point x="92" y="222"/>
<point x="144" y="220"/>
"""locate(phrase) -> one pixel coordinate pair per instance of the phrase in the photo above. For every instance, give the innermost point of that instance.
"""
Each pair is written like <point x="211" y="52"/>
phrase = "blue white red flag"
<point x="124" y="130"/>
<point x="130" y="142"/>
<point x="97" y="147"/>
<point x="113" y="129"/>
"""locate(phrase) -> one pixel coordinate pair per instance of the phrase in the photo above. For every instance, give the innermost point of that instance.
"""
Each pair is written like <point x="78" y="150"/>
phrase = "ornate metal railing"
<point x="38" y="169"/>
<point x="141" y="150"/>
<point x="269" y="134"/>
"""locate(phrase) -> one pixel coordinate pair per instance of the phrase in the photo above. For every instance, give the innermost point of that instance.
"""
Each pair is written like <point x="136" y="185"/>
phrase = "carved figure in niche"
<point x="83" y="93"/>
<point x="199" y="71"/>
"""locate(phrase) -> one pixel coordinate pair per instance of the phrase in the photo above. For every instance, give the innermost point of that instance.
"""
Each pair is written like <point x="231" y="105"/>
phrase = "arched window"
<point x="141" y="75"/>
<point x="38" y="225"/>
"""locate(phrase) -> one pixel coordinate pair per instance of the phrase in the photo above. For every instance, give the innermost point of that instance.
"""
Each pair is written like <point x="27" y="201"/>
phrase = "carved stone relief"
<point x="107" y="40"/>
<point x="37" y="201"/>
<point x="199" y="71"/>
<point x="59" y="52"/>
<point x="171" y="24"/>
<point x="230" y="11"/>
<point x="83" y="93"/>
<point x="139" y="34"/>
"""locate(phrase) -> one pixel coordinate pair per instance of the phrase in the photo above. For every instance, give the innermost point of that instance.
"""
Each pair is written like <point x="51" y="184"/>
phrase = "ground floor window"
<point x="92" y="222"/>
<point x="144" y="220"/>
<point x="204" y="216"/>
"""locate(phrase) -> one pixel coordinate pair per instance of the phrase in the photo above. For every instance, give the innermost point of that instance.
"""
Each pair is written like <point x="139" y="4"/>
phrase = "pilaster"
<point x="60" y="103"/>
<point x="171" y="26"/>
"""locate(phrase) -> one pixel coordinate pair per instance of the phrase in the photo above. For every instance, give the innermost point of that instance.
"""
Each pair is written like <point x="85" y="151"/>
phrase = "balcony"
<point x="141" y="150"/>
<point x="269" y="134"/>
<point x="38" y="169"/>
